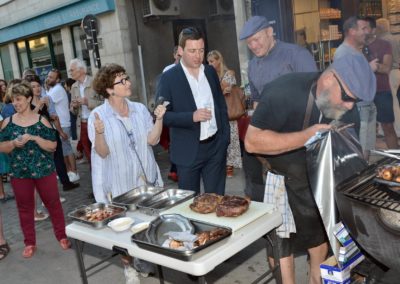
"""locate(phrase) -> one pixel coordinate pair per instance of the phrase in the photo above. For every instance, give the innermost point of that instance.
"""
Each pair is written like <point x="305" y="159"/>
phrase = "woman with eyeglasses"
<point x="30" y="141"/>
<point x="123" y="133"/>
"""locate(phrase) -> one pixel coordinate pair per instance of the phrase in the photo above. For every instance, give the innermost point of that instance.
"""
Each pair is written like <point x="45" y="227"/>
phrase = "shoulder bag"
<point x="235" y="103"/>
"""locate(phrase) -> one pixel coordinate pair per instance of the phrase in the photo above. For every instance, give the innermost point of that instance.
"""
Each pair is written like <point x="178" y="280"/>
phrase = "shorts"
<point x="310" y="231"/>
<point x="384" y="107"/>
<point x="66" y="144"/>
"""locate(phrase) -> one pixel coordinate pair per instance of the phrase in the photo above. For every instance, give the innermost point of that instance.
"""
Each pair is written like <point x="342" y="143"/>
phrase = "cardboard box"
<point x="332" y="273"/>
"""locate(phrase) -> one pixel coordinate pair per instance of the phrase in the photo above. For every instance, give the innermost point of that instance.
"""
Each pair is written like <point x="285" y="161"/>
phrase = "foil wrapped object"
<point x="332" y="157"/>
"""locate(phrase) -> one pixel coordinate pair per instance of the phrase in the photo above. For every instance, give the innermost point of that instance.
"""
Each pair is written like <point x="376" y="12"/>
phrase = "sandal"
<point x="229" y="171"/>
<point x="7" y="197"/>
<point x="29" y="251"/>
<point x="65" y="244"/>
<point x="4" y="250"/>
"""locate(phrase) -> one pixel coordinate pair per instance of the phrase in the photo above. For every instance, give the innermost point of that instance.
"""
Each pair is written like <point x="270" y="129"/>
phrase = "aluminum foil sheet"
<point x="331" y="158"/>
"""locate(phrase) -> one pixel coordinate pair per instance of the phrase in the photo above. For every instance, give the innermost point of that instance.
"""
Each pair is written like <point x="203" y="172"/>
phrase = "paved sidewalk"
<point x="53" y="265"/>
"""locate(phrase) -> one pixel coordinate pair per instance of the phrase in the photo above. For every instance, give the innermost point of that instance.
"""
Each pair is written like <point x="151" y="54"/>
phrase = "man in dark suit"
<point x="197" y="117"/>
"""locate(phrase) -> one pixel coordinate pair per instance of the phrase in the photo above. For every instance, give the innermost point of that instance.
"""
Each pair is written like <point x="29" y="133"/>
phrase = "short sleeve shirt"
<point x="30" y="161"/>
<point x="284" y="58"/>
<point x="282" y="109"/>
<point x="378" y="49"/>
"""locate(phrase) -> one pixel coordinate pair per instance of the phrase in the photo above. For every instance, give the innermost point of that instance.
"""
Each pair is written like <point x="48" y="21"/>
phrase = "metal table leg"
<point x="276" y="270"/>
<point x="78" y="250"/>
<point x="202" y="279"/>
<point x="160" y="274"/>
<point x="272" y="238"/>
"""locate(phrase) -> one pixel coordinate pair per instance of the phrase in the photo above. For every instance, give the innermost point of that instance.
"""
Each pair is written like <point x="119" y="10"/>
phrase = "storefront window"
<point x="40" y="55"/>
<point x="6" y="63"/>
<point x="56" y="43"/>
<point x="22" y="56"/>
<point x="80" y="48"/>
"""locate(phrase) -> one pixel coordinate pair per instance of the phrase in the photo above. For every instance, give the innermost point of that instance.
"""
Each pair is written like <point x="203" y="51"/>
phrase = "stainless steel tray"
<point x="82" y="213"/>
<point x="142" y="241"/>
<point x="131" y="198"/>
<point x="164" y="200"/>
<point x="167" y="223"/>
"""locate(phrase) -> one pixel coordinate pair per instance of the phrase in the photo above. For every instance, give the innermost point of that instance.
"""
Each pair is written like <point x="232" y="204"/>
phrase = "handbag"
<point x="235" y="103"/>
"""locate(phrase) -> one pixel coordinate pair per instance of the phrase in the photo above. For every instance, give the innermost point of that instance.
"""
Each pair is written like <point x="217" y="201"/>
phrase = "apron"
<point x="310" y="231"/>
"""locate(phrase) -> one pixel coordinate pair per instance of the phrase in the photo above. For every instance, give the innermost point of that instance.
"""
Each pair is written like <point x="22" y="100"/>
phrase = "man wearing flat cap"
<point x="279" y="129"/>
<point x="272" y="58"/>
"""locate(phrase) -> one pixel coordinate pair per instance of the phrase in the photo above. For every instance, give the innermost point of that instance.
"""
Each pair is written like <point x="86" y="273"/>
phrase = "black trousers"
<point x="59" y="162"/>
<point x="209" y="165"/>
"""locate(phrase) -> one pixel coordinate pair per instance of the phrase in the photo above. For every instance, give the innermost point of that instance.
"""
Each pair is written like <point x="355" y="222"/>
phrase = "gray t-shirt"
<point x="345" y="48"/>
<point x="284" y="58"/>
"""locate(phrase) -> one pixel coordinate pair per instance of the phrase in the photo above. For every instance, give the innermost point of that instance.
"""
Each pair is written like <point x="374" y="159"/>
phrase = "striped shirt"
<point x="121" y="171"/>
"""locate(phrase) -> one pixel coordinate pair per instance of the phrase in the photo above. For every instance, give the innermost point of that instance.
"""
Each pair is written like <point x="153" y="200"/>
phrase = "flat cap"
<point x="252" y="26"/>
<point x="355" y="72"/>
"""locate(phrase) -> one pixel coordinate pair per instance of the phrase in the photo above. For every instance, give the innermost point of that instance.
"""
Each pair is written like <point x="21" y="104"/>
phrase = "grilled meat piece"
<point x="217" y="233"/>
<point x="232" y="206"/>
<point x="202" y="238"/>
<point x="205" y="203"/>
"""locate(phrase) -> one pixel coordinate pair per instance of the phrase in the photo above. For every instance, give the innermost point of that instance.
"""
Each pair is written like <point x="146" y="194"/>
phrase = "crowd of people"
<point x="116" y="135"/>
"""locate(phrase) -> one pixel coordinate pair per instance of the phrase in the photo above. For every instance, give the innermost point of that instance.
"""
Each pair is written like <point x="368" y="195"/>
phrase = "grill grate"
<point x="374" y="194"/>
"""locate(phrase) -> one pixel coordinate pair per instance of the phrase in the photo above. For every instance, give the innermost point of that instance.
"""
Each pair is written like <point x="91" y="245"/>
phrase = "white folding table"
<point x="201" y="263"/>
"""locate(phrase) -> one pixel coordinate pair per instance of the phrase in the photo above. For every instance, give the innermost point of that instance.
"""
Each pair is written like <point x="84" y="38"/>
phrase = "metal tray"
<point x="186" y="255"/>
<point x="131" y="198"/>
<point x="164" y="200"/>
<point x="80" y="214"/>
<point x="167" y="223"/>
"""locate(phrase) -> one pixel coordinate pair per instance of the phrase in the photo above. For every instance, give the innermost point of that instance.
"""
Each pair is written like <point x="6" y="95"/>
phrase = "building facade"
<point x="138" y="34"/>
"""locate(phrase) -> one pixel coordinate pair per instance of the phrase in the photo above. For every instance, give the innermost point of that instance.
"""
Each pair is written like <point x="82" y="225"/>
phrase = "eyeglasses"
<point x="122" y="81"/>
<point x="345" y="96"/>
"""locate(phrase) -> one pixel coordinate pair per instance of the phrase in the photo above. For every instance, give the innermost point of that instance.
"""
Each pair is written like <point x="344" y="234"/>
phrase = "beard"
<point x="51" y="84"/>
<point x="327" y="108"/>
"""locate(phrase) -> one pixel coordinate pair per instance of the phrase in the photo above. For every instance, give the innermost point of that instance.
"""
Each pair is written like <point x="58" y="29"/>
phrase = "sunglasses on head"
<point x="189" y="31"/>
<point x="345" y="96"/>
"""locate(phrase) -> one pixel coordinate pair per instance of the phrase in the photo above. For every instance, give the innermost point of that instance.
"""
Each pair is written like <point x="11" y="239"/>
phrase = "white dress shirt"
<point x="203" y="98"/>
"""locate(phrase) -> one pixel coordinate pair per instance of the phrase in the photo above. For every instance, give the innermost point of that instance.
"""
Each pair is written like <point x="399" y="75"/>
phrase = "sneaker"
<point x="73" y="177"/>
<point x="62" y="199"/>
<point x="70" y="186"/>
<point x="40" y="216"/>
<point x="131" y="275"/>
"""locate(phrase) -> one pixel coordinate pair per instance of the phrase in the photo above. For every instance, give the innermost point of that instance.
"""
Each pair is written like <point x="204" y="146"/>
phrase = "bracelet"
<point x="99" y="132"/>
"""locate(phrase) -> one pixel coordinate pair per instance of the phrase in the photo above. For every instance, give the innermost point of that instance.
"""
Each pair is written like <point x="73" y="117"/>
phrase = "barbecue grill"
<point x="371" y="211"/>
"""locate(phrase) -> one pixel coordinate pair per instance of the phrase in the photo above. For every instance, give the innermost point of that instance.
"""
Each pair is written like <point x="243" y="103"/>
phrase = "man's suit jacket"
<point x="184" y="132"/>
